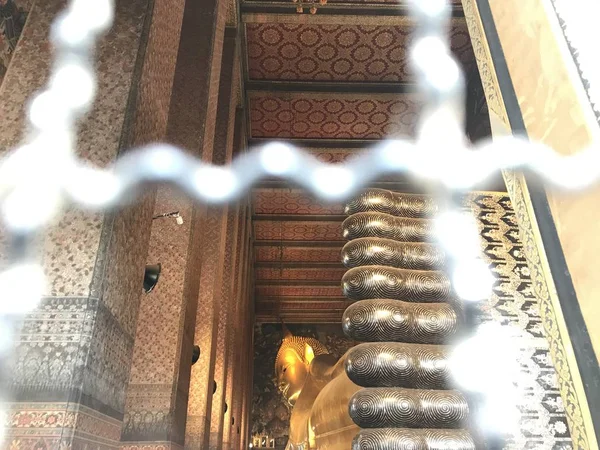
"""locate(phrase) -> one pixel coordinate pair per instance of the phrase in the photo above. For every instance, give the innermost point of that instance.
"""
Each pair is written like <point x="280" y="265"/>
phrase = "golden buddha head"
<point x="292" y="363"/>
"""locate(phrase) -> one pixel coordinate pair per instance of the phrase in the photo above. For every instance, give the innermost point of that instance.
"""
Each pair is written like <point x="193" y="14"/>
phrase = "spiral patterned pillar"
<point x="404" y="314"/>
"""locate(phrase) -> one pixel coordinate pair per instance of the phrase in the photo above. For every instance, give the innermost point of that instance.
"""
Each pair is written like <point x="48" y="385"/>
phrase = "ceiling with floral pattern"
<point x="334" y="83"/>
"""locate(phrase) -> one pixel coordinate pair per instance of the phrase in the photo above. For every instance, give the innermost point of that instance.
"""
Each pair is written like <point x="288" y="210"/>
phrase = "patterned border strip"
<point x="483" y="58"/>
<point x="571" y="386"/>
<point x="64" y="420"/>
<point x="150" y="446"/>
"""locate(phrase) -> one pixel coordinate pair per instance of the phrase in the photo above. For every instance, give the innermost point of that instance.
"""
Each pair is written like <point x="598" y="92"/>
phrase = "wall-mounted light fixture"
<point x="195" y="354"/>
<point x="175" y="214"/>
<point x="151" y="277"/>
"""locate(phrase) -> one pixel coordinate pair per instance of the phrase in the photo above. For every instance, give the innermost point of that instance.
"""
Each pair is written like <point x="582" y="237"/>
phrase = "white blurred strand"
<point x="458" y="169"/>
<point x="25" y="282"/>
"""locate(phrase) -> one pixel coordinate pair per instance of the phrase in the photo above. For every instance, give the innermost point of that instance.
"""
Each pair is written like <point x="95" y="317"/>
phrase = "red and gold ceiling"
<point x="333" y="83"/>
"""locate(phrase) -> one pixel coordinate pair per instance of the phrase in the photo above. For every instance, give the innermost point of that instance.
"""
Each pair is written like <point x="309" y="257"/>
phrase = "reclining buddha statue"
<point x="393" y="391"/>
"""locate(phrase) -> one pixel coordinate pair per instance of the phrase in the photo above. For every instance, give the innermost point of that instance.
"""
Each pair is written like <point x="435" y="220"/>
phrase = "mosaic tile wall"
<point x="153" y="377"/>
<point x="543" y="421"/>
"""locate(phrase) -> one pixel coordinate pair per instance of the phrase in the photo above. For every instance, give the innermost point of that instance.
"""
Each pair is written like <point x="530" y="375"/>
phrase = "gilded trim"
<point x="571" y="385"/>
<point x="483" y="58"/>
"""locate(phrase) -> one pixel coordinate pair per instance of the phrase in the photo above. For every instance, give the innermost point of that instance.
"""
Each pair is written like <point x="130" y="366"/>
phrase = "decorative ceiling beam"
<point x="401" y="185"/>
<point x="298" y="265"/>
<point x="300" y="314"/>
<point x="334" y="17"/>
<point x="303" y="313"/>
<point x="297" y="283"/>
<point x="334" y="314"/>
<point x="318" y="143"/>
<point x="310" y="307"/>
<point x="249" y="8"/>
<point x="300" y="274"/>
<point x="331" y="86"/>
<point x="292" y="243"/>
<point x="274" y="254"/>
<point x="300" y="217"/>
<point x="332" y="318"/>
<point x="495" y="183"/>
<point x="302" y="299"/>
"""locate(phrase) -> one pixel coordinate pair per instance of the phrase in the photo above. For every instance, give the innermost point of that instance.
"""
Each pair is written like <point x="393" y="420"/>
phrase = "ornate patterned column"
<point x="248" y="349"/>
<point x="225" y="132"/>
<point x="218" y="411"/>
<point x="73" y="356"/>
<point x="201" y="383"/>
<point x="231" y="344"/>
<point x="214" y="240"/>
<point x="246" y="379"/>
<point x="158" y="394"/>
<point x="238" y="298"/>
<point x="240" y="347"/>
<point x="246" y="375"/>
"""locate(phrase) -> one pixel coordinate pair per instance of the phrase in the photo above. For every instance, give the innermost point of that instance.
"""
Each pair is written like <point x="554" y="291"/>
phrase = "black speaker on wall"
<point x="151" y="275"/>
<point x="195" y="354"/>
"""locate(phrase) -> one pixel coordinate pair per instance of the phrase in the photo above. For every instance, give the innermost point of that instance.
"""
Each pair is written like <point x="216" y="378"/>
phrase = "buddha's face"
<point x="292" y="365"/>
<point x="291" y="371"/>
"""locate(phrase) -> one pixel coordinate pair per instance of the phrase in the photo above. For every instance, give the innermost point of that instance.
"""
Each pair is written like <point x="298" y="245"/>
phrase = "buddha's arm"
<point x="338" y="368"/>
<point x="329" y="420"/>
<point x="325" y="368"/>
<point x="299" y="428"/>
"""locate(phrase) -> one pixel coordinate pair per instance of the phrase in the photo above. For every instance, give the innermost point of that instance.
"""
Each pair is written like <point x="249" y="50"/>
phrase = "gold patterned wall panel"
<point x="556" y="111"/>
<point x="561" y="350"/>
